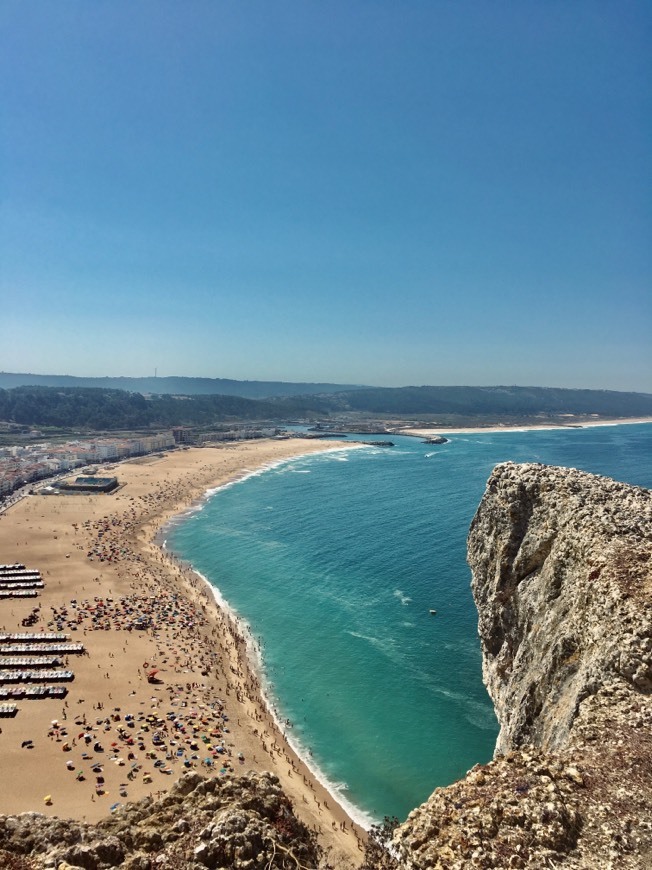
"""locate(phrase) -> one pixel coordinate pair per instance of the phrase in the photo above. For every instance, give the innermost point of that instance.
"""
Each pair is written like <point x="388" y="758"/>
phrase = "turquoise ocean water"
<point x="335" y="560"/>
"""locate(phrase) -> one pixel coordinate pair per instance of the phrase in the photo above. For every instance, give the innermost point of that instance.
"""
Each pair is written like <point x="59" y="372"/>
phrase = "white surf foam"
<point x="402" y="597"/>
<point x="256" y="661"/>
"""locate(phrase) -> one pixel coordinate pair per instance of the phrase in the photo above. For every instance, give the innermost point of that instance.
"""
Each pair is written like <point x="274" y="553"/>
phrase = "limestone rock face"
<point x="562" y="579"/>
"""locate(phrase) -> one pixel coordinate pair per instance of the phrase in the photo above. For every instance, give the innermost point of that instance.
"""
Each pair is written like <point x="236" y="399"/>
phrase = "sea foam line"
<point x="270" y="701"/>
<point x="254" y="653"/>
<point x="248" y="473"/>
<point x="200" y="503"/>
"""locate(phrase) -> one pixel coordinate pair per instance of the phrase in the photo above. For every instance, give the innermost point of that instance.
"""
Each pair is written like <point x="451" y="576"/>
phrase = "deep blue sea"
<point x="334" y="560"/>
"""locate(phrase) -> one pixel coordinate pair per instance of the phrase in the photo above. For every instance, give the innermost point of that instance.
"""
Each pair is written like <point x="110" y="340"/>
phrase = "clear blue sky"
<point x="405" y="192"/>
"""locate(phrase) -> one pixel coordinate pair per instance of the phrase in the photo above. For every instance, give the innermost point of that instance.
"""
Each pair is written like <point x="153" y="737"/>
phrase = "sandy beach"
<point x="116" y="736"/>
<point x="430" y="431"/>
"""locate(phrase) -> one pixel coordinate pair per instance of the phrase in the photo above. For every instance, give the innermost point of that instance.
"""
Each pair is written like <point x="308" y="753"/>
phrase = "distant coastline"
<point x="141" y="406"/>
<point x="426" y="432"/>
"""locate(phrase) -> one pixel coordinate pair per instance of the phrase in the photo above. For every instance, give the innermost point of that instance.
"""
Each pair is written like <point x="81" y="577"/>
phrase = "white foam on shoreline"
<point x="254" y="654"/>
<point x="256" y="663"/>
<point x="247" y="473"/>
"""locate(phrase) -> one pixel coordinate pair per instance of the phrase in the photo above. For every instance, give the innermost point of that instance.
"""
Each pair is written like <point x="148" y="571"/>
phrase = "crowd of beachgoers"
<point x="167" y="684"/>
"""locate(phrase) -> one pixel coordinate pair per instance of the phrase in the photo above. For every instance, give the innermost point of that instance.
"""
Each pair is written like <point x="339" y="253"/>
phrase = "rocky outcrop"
<point x="562" y="579"/>
<point x="561" y="576"/>
<point x="240" y="822"/>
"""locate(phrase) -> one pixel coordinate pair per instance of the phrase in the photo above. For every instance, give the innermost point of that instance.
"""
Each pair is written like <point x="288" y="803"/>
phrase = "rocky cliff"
<point x="562" y="578"/>
<point x="236" y="822"/>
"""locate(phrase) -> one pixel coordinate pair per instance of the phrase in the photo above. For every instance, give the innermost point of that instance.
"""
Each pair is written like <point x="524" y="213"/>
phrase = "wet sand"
<point x="118" y="737"/>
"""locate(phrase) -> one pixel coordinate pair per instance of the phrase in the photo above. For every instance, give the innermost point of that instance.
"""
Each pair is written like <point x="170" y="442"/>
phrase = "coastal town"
<point x="22" y="464"/>
<point x="28" y="461"/>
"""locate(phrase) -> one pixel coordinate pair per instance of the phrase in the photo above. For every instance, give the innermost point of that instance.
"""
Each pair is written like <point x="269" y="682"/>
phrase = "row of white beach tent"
<point x="8" y="709"/>
<point x="18" y="593"/>
<point x="33" y="637"/>
<point x="20" y="690"/>
<point x="31" y="662"/>
<point x="26" y="648"/>
<point x="34" y="676"/>
<point x="27" y="574"/>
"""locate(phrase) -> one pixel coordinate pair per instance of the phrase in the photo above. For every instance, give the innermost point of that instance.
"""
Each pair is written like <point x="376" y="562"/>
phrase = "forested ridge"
<point x="499" y="400"/>
<point x="90" y="408"/>
<point x="112" y="409"/>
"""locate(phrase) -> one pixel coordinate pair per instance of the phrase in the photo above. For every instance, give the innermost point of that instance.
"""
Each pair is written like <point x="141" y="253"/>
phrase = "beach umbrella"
<point x="47" y="799"/>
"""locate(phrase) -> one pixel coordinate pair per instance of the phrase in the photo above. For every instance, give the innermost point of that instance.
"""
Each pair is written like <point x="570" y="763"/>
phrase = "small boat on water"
<point x="433" y="612"/>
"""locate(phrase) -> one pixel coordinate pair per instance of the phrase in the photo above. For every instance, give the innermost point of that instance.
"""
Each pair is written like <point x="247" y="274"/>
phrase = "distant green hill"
<point x="90" y="408"/>
<point x="493" y="401"/>
<point x="174" y="385"/>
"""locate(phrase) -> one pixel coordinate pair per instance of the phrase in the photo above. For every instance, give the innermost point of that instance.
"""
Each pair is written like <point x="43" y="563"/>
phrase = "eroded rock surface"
<point x="241" y="822"/>
<point x="562" y="579"/>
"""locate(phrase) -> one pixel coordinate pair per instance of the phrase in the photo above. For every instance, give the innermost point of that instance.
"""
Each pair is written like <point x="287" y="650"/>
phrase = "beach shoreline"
<point x="102" y="563"/>
<point x="250" y="654"/>
<point x="429" y="431"/>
